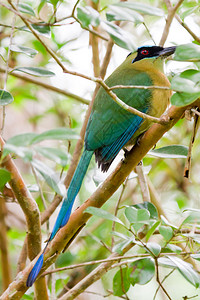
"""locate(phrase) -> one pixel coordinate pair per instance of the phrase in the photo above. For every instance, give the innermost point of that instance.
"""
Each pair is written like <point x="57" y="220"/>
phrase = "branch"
<point x="5" y="259"/>
<point x="155" y="199"/>
<point x="94" y="42"/>
<point x="93" y="276"/>
<point x="47" y="86"/>
<point x="30" y="210"/>
<point x="100" y="196"/>
<point x="158" y="280"/>
<point x="171" y="13"/>
<point x="140" y="87"/>
<point x="95" y="79"/>
<point x="161" y="120"/>
<point x="112" y="259"/>
<point x="187" y="28"/>
<point x="142" y="180"/>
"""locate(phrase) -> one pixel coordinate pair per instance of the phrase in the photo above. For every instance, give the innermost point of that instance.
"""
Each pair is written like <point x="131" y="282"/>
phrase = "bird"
<point x="111" y="128"/>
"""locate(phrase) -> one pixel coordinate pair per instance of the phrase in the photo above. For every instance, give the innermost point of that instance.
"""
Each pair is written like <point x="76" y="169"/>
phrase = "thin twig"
<point x="141" y="87"/>
<point x="162" y="283"/>
<point x="128" y="108"/>
<point x="195" y="111"/>
<point x="116" y="209"/>
<point x="41" y="194"/>
<point x="192" y="139"/>
<point x="171" y="13"/>
<point x="94" y="42"/>
<point x="155" y="199"/>
<point x="91" y="30"/>
<point x="158" y="279"/>
<point x="187" y="28"/>
<point x="142" y="180"/>
<point x="122" y="283"/>
<point x="97" y="80"/>
<point x="46" y="86"/>
<point x="147" y="29"/>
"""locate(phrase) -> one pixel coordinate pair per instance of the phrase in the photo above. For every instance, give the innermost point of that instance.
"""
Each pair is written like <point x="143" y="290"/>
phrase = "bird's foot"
<point x="126" y="151"/>
<point x="139" y="138"/>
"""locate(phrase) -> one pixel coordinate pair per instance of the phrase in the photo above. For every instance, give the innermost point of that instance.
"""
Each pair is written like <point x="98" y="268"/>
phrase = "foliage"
<point x="42" y="112"/>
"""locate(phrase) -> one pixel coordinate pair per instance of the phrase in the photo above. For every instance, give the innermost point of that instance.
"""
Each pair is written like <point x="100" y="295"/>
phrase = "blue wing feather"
<point x="109" y="152"/>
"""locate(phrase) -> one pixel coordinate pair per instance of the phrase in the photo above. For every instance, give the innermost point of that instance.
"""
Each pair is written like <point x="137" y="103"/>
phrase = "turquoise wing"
<point x="108" y="121"/>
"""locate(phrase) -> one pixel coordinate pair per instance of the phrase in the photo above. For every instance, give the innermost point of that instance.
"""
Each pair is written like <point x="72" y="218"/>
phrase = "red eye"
<point x="144" y="52"/>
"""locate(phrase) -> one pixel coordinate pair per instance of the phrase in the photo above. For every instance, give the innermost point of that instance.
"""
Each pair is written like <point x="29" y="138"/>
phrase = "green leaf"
<point x="166" y="232"/>
<point x="183" y="99"/>
<point x="50" y="177"/>
<point x="40" y="6"/>
<point x="119" y="36"/>
<point x="27" y="139"/>
<point x="5" y="98"/>
<point x="193" y="216"/>
<point x="122" y="245"/>
<point x="172" y="151"/>
<point x="187" y="52"/>
<point x="5" y="176"/>
<point x="54" y="2"/>
<point x="141" y="8"/>
<point x="187" y="85"/>
<point x="120" y="235"/>
<point x="120" y="282"/>
<point x="26" y="8"/>
<point x="148" y="206"/>
<point x="123" y="14"/>
<point x="187" y="12"/>
<point x="151" y="230"/>
<point x="99" y="212"/>
<point x="196" y="210"/>
<point x="33" y="188"/>
<point x="172" y="248"/>
<point x="25" y="153"/>
<point x="186" y="271"/>
<point x="166" y="222"/>
<point x="61" y="133"/>
<point x="35" y="71"/>
<point x="42" y="29"/>
<point x="88" y="16"/>
<point x="154" y="248"/>
<point x="187" y="82"/>
<point x="166" y="262"/>
<point x="21" y="139"/>
<point x="141" y="271"/>
<point x="53" y="154"/>
<point x="135" y="215"/>
<point x="196" y="256"/>
<point x="28" y="51"/>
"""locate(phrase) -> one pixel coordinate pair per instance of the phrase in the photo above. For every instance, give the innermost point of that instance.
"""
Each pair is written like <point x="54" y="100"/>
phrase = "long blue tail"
<point x="65" y="210"/>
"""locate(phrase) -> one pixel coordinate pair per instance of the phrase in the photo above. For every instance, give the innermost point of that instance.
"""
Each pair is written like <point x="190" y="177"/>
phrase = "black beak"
<point x="167" y="51"/>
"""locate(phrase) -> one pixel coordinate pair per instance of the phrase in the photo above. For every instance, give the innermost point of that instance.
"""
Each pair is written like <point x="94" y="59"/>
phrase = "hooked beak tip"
<point x="168" y="51"/>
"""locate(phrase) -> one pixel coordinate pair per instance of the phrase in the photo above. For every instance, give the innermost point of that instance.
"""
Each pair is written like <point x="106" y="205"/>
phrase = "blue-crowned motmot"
<point x="110" y="127"/>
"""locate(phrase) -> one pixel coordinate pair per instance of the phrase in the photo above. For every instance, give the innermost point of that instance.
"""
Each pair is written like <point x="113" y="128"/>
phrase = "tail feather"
<point x="72" y="192"/>
<point x="65" y="210"/>
<point x="35" y="271"/>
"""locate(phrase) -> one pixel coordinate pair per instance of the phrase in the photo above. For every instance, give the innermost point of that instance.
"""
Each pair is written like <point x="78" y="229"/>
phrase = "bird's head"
<point x="146" y="52"/>
<point x="150" y="56"/>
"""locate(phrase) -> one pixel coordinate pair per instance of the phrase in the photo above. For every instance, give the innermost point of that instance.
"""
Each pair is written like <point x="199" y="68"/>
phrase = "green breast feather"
<point x="108" y="120"/>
